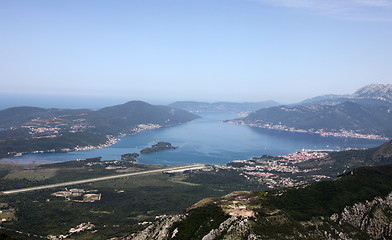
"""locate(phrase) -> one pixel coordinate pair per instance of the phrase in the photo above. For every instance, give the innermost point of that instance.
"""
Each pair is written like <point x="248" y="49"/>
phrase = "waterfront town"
<point x="56" y="126"/>
<point x="280" y="171"/>
<point x="281" y="127"/>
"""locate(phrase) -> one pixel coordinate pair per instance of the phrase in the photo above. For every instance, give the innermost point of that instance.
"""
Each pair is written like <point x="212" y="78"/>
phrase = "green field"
<point x="32" y="175"/>
<point x="7" y="216"/>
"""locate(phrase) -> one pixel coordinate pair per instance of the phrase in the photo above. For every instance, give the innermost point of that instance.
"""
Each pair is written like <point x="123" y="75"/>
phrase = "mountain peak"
<point x="375" y="91"/>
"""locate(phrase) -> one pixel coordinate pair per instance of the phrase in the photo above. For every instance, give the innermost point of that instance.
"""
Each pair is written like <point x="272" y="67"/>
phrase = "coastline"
<point x="342" y="134"/>
<point x="296" y="143"/>
<point x="111" y="140"/>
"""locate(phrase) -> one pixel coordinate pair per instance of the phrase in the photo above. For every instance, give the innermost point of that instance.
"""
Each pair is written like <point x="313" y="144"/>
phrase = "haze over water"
<point x="206" y="140"/>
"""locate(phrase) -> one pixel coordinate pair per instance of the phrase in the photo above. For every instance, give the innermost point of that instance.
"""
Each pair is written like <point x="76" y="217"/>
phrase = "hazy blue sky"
<point x="209" y="50"/>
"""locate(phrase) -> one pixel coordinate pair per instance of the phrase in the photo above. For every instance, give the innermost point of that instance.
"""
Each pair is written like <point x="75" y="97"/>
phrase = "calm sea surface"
<point x="206" y="140"/>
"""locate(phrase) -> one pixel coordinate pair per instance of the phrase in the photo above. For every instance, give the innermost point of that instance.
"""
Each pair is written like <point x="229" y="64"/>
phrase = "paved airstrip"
<point x="172" y="169"/>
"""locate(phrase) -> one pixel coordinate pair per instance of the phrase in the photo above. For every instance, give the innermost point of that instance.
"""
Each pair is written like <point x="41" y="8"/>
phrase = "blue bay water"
<point x="206" y="140"/>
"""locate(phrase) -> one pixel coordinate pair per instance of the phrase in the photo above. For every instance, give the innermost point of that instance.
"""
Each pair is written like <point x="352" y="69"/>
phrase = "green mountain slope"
<point x="366" y="112"/>
<point x="127" y="116"/>
<point x="30" y="129"/>
<point x="342" y="161"/>
<point x="18" y="116"/>
<point x="331" y="118"/>
<point x="357" y="205"/>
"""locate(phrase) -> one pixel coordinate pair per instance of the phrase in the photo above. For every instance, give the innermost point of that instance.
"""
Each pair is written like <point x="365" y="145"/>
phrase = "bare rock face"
<point x="372" y="217"/>
<point x="233" y="228"/>
<point x="159" y="230"/>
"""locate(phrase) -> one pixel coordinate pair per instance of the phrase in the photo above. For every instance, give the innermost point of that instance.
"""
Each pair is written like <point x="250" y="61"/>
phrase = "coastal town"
<point x="54" y="126"/>
<point x="53" y="129"/>
<point x="281" y="127"/>
<point x="280" y="171"/>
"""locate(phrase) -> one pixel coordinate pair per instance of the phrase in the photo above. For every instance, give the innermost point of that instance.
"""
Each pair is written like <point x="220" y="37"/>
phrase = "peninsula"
<point x="29" y="129"/>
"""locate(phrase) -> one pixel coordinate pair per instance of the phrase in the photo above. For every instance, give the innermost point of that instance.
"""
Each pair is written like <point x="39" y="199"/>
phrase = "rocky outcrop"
<point x="372" y="217"/>
<point x="232" y="228"/>
<point x="159" y="230"/>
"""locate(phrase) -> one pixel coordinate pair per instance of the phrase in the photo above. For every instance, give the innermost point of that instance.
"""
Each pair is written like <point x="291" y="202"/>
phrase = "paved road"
<point x="182" y="168"/>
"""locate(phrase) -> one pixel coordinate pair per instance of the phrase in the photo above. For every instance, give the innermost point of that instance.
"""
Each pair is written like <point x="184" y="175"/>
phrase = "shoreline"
<point x="111" y="140"/>
<point x="303" y="151"/>
<point x="29" y="159"/>
<point x="320" y="132"/>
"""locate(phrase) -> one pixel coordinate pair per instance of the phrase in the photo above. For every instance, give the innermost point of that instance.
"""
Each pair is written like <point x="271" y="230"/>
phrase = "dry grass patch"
<point x="32" y="175"/>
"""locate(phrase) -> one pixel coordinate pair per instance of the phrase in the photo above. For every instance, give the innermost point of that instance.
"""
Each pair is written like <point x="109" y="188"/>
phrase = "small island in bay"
<point x="160" y="146"/>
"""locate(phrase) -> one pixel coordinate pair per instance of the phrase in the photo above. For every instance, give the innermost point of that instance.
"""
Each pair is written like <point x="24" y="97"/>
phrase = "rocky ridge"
<point x="375" y="91"/>
<point x="370" y="219"/>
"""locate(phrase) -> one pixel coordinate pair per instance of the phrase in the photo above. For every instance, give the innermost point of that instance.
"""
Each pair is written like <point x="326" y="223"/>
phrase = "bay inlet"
<point x="207" y="140"/>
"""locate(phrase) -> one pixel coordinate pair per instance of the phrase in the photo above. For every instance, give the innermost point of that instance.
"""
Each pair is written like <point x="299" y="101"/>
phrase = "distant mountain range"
<point x="222" y="106"/>
<point x="367" y="112"/>
<point x="357" y="205"/>
<point x="370" y="95"/>
<point x="325" y="99"/>
<point x="382" y="92"/>
<point x="27" y="129"/>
